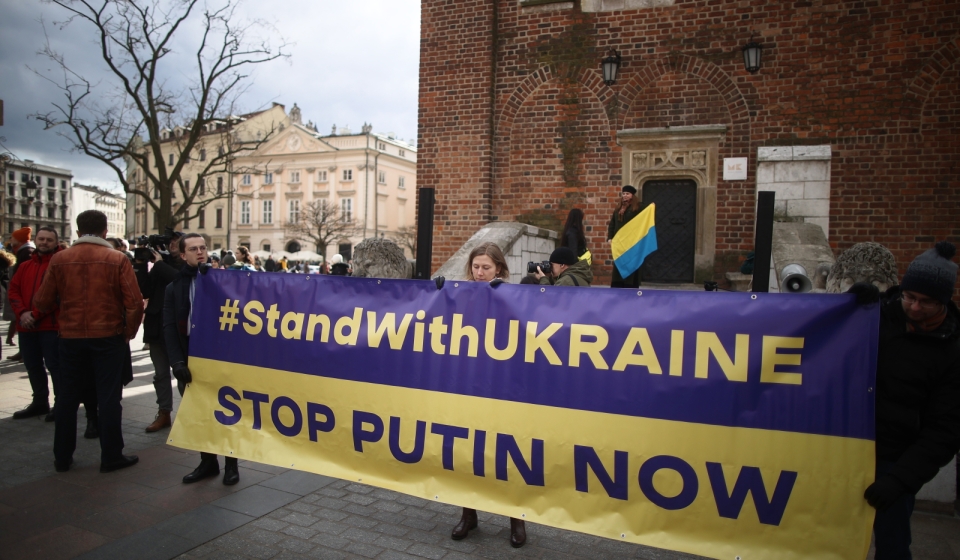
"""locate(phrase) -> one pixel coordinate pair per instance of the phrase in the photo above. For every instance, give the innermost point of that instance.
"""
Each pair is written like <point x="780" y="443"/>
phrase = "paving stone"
<point x="357" y="534"/>
<point x="331" y="503"/>
<point x="332" y="492"/>
<point x="359" y="499"/>
<point x="362" y="522"/>
<point x="412" y="501"/>
<point x="428" y="551"/>
<point x="261" y="536"/>
<point x="329" y="527"/>
<point x="300" y="519"/>
<point x="360" y="510"/>
<point x="302" y="507"/>
<point x="427" y="537"/>
<point x="364" y="549"/>
<point x="420" y="513"/>
<point x="394" y="555"/>
<point x="393" y="543"/>
<point x="299" y="532"/>
<point x="331" y="515"/>
<point x="388" y="529"/>
<point x="323" y="553"/>
<point x="386" y="505"/>
<point x="296" y="545"/>
<point x="360" y="488"/>
<point x="464" y="546"/>
<point x="270" y="524"/>
<point x="388" y="517"/>
<point x="331" y="541"/>
<point x="419" y="524"/>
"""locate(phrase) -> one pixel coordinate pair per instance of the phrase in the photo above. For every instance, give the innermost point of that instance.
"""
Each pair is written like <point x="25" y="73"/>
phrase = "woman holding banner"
<point x="626" y="210"/>
<point x="486" y="264"/>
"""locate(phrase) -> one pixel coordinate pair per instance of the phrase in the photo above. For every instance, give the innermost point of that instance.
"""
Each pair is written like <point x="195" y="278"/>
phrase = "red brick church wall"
<point x="878" y="81"/>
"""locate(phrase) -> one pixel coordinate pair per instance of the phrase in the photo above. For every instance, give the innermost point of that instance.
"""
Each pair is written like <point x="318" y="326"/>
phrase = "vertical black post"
<point x="763" y="245"/>
<point x="425" y="202"/>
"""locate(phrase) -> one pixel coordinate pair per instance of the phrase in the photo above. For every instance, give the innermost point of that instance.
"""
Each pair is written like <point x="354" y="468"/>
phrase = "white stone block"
<point x="780" y="207"/>
<point x="824" y="224"/>
<point x="802" y="171"/>
<point x="764" y="173"/>
<point x="816" y="189"/>
<point x="815" y="208"/>
<point x="788" y="191"/>
<point x="775" y="153"/>
<point x="811" y="152"/>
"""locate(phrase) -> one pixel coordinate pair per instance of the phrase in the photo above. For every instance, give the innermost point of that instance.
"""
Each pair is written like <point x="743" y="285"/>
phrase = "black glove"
<point x="884" y="492"/>
<point x="496" y="282"/>
<point x="205" y="267"/>
<point x="182" y="373"/>
<point x="866" y="293"/>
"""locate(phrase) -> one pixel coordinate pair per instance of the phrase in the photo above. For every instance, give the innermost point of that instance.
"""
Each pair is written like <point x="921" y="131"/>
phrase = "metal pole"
<point x="425" y="202"/>
<point x="763" y="246"/>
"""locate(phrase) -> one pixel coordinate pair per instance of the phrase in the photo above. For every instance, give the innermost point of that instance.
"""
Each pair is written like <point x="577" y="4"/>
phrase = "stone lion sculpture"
<point x="380" y="258"/>
<point x="864" y="262"/>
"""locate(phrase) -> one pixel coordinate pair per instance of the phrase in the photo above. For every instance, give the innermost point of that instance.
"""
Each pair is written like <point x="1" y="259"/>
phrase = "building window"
<point x="382" y="177"/>
<point x="247" y="179"/>
<point x="186" y="221"/>
<point x="244" y="212"/>
<point x="24" y="177"/>
<point x="186" y="186"/>
<point x="52" y="213"/>
<point x="219" y="217"/>
<point x="12" y="189"/>
<point x="348" y="174"/>
<point x="268" y="211"/>
<point x="402" y="183"/>
<point x="156" y="220"/>
<point x="321" y="176"/>
<point x="402" y="153"/>
<point x="346" y="210"/>
<point x="203" y="187"/>
<point x="203" y="154"/>
<point x="169" y="159"/>
<point x="294" y="176"/>
<point x="12" y="175"/>
<point x="219" y="185"/>
<point x="63" y="198"/>
<point x="381" y="146"/>
<point x="266" y="247"/>
<point x="219" y="151"/>
<point x="24" y="210"/>
<point x="202" y="217"/>
<point x="52" y="196"/>
<point x="11" y="208"/>
<point x="51" y="182"/>
<point x="294" y="215"/>
<point x="156" y="193"/>
<point x="268" y="178"/>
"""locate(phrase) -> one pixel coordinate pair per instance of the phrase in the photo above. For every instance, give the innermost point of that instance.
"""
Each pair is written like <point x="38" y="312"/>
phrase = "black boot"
<point x="231" y="473"/>
<point x="518" y="532"/>
<point x="92" y="431"/>
<point x="36" y="408"/>
<point x="209" y="466"/>
<point x="468" y="520"/>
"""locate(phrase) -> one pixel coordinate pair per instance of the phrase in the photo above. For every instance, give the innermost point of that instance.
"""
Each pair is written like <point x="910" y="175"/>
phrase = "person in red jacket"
<point x="37" y="331"/>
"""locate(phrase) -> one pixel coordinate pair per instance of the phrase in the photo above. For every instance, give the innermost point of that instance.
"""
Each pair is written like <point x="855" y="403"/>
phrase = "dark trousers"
<point x="632" y="281"/>
<point x="86" y="361"/>
<point x="41" y="353"/>
<point x="208" y="457"/>
<point x="161" y="374"/>
<point x="891" y="527"/>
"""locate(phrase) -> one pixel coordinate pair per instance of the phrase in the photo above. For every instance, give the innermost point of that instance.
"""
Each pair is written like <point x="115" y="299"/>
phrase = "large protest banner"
<point x="722" y="424"/>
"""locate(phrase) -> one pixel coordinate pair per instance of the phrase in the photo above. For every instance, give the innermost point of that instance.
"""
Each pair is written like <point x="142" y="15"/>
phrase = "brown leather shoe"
<point x="468" y="520"/>
<point x="518" y="532"/>
<point x="160" y="422"/>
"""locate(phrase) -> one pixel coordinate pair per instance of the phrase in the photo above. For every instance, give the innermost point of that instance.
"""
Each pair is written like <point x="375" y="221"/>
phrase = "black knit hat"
<point x="933" y="274"/>
<point x="563" y="255"/>
<point x="629" y="188"/>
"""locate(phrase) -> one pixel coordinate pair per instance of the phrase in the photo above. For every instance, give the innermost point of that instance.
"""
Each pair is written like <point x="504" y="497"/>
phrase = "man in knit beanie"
<point x="918" y="393"/>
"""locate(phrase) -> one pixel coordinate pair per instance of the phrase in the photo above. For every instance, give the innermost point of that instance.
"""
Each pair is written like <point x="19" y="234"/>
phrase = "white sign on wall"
<point x="735" y="169"/>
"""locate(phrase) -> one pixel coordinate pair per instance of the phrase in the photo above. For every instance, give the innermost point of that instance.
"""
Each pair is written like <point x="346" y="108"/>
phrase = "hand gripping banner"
<point x="722" y="424"/>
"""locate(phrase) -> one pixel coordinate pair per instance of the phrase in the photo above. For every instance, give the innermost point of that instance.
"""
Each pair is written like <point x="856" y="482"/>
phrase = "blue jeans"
<point x="39" y="349"/>
<point x="85" y="362"/>
<point x="891" y="527"/>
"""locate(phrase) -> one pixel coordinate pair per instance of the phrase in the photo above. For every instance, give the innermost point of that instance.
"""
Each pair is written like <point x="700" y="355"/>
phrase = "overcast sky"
<point x="351" y="62"/>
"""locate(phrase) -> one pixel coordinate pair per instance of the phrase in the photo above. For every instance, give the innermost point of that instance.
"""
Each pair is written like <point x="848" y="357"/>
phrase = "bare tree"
<point x="141" y="113"/>
<point x="406" y="237"/>
<point x="323" y="224"/>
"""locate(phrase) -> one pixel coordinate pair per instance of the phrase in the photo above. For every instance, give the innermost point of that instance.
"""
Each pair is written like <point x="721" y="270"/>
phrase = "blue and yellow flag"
<point x="635" y="240"/>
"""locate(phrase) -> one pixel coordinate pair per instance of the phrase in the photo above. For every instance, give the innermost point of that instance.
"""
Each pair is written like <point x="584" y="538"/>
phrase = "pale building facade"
<point x="114" y="206"/>
<point x="48" y="204"/>
<point x="370" y="178"/>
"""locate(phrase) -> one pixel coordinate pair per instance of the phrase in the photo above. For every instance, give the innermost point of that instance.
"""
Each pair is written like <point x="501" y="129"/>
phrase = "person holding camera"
<point x="565" y="269"/>
<point x="153" y="280"/>
<point x="486" y="263"/>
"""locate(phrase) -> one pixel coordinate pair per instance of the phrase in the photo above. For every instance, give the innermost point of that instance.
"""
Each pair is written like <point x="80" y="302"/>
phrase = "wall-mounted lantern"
<point x="611" y="66"/>
<point x="752" y="52"/>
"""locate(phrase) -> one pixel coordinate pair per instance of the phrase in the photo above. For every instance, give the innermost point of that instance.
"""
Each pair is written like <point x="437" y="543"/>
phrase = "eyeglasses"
<point x="923" y="303"/>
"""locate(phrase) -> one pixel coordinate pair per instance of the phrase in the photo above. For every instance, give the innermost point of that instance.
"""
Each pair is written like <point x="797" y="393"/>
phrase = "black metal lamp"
<point x="31" y="189"/>
<point x="752" y="52"/>
<point x="610" y="66"/>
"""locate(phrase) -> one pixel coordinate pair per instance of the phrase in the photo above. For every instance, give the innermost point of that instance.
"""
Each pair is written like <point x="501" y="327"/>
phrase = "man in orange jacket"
<point x="100" y="311"/>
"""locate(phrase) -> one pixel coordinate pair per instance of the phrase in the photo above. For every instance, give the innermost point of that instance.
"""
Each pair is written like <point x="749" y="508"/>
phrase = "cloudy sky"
<point x="350" y="63"/>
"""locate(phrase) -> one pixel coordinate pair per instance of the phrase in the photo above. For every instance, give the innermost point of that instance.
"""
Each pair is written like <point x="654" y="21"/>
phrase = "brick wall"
<point x="877" y="81"/>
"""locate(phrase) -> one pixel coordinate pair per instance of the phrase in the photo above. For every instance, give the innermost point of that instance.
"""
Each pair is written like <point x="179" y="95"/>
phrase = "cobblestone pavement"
<point x="273" y="513"/>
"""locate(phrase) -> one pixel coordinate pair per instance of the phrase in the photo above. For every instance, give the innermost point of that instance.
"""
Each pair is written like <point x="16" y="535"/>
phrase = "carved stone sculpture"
<point x="380" y="258"/>
<point x="864" y="262"/>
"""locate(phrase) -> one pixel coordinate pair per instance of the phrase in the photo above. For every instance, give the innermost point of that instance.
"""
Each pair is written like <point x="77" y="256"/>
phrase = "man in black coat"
<point x="177" y="311"/>
<point x="918" y="393"/>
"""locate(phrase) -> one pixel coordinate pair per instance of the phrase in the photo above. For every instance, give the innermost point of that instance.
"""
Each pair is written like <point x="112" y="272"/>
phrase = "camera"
<point x="544" y="266"/>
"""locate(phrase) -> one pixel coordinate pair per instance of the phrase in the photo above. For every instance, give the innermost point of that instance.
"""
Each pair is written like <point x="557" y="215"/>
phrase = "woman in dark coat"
<point x="626" y="210"/>
<point x="573" y="236"/>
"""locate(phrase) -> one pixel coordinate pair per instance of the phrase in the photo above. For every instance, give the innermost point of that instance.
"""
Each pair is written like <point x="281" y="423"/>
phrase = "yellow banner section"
<point x="676" y="485"/>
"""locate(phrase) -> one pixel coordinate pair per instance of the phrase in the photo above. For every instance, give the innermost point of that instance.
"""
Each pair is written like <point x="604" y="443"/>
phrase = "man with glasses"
<point x="918" y="393"/>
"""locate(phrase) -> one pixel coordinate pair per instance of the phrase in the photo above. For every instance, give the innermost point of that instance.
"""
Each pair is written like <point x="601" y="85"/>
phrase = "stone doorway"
<point x="676" y="226"/>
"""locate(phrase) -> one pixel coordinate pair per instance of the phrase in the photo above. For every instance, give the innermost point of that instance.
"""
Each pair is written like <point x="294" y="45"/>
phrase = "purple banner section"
<point x="791" y="362"/>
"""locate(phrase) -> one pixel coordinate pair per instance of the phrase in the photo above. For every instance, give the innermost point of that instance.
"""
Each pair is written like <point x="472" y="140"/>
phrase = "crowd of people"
<point x="75" y="310"/>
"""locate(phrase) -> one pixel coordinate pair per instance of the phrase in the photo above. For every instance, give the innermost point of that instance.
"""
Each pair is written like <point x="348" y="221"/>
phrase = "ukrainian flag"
<point x="635" y="240"/>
